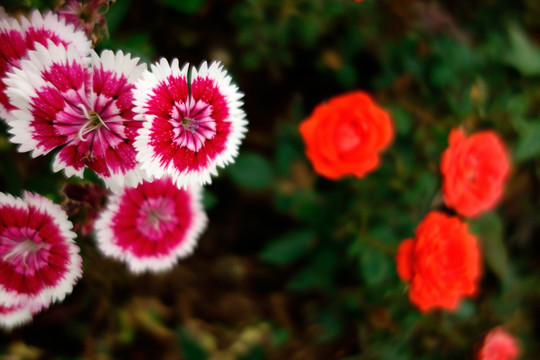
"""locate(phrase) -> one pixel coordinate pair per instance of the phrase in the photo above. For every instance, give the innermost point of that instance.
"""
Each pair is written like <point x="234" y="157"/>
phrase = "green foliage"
<point x="375" y="266"/>
<point x="190" y="349"/>
<point x="528" y="145"/>
<point x="288" y="247"/>
<point x="185" y="6"/>
<point x="251" y="171"/>
<point x="489" y="228"/>
<point x="523" y="54"/>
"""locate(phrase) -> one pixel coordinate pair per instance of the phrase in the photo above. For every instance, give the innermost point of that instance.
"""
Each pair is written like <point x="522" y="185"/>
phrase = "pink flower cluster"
<point x="155" y="137"/>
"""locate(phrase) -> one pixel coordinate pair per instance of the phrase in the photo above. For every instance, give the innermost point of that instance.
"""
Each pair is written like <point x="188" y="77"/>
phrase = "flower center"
<point x="196" y="124"/>
<point x="348" y="137"/>
<point x="93" y="122"/>
<point x="23" y="250"/>
<point x="190" y="125"/>
<point x="156" y="217"/>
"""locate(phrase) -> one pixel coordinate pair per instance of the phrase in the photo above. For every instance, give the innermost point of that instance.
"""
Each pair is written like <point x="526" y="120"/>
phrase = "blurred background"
<point x="294" y="266"/>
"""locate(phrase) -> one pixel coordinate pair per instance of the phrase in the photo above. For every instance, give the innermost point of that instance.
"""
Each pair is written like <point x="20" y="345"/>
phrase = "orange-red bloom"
<point x="475" y="170"/>
<point x="442" y="262"/>
<point x="345" y="135"/>
<point x="499" y="345"/>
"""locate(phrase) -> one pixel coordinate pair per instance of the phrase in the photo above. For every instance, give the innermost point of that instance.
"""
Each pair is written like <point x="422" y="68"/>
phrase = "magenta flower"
<point x="192" y="125"/>
<point x="19" y="37"/>
<point x="85" y="111"/>
<point x="39" y="260"/>
<point x="151" y="226"/>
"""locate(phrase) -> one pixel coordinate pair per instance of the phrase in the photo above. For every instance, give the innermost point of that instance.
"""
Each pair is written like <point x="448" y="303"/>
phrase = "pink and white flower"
<point x="193" y="121"/>
<point x="85" y="111"/>
<point x="151" y="226"/>
<point x="39" y="260"/>
<point x="18" y="37"/>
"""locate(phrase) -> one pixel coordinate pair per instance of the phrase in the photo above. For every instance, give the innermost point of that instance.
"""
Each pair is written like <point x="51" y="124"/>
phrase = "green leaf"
<point x="251" y="171"/>
<point x="489" y="229"/>
<point x="528" y="145"/>
<point x="375" y="267"/>
<point x="523" y="53"/>
<point x="287" y="248"/>
<point x="190" y="349"/>
<point x="319" y="274"/>
<point x="402" y="119"/>
<point x="185" y="6"/>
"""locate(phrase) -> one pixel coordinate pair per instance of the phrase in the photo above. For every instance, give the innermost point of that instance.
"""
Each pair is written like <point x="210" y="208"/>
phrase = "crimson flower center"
<point x="23" y="250"/>
<point x="194" y="123"/>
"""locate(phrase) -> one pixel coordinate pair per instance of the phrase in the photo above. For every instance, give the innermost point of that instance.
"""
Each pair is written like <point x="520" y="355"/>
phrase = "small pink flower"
<point x="151" y="226"/>
<point x="85" y="15"/>
<point x="499" y="345"/>
<point x="193" y="124"/>
<point x="39" y="260"/>
<point x="19" y="314"/>
<point x="86" y="111"/>
<point x="17" y="37"/>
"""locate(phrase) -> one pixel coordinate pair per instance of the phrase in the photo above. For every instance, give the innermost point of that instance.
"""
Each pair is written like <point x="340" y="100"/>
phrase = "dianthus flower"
<point x="86" y="15"/>
<point x="18" y="37"/>
<point x="39" y="260"/>
<point x="193" y="121"/>
<point x="152" y="225"/>
<point x="345" y="135"/>
<point x="442" y="262"/>
<point x="475" y="170"/>
<point x="499" y="345"/>
<point x="85" y="110"/>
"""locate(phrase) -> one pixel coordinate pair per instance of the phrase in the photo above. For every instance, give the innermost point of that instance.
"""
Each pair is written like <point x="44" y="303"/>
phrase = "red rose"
<point x="345" y="135"/>
<point x="442" y="262"/>
<point x="474" y="170"/>
<point x="498" y="345"/>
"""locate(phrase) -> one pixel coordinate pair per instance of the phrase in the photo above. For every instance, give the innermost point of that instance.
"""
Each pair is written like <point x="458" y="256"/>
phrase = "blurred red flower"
<point x="345" y="135"/>
<point x="498" y="345"/>
<point x="442" y="262"/>
<point x="475" y="170"/>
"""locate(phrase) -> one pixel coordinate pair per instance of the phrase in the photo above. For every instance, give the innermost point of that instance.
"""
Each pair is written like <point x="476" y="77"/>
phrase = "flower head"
<point x="442" y="262"/>
<point x="85" y="15"/>
<point x="18" y="37"/>
<point x="499" y="345"/>
<point x="86" y="111"/>
<point x="193" y="121"/>
<point x="39" y="260"/>
<point x="151" y="226"/>
<point x="475" y="170"/>
<point x="345" y="136"/>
